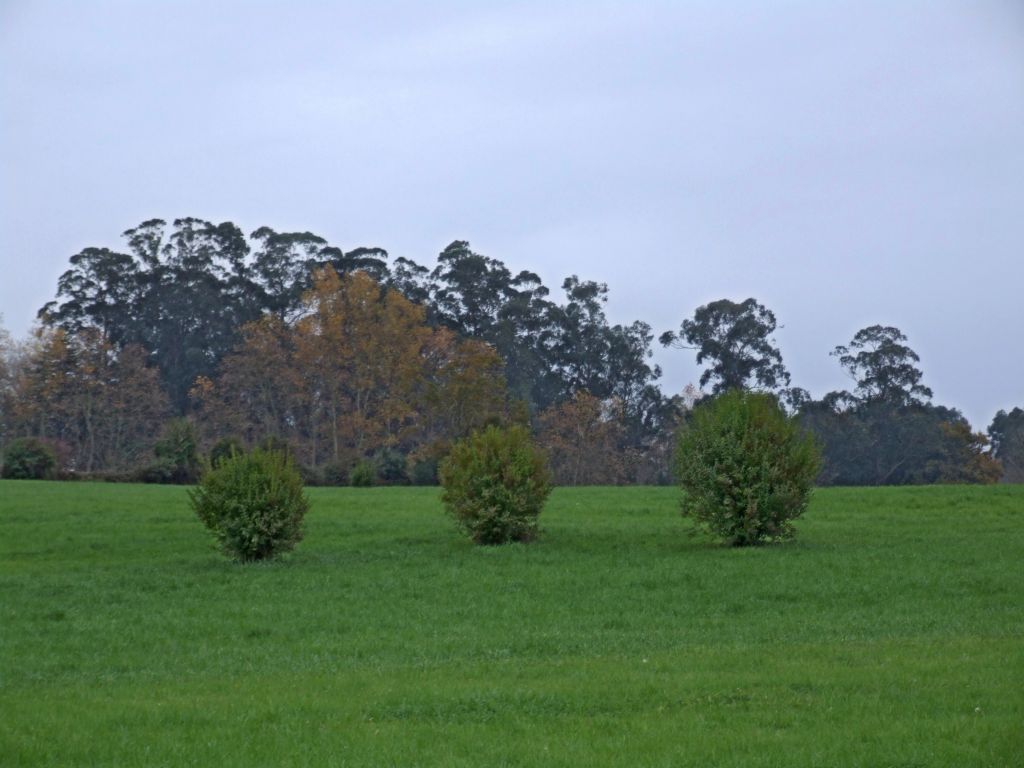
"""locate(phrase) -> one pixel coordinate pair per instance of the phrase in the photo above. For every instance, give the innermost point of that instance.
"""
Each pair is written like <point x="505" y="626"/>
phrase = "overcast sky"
<point x="844" y="163"/>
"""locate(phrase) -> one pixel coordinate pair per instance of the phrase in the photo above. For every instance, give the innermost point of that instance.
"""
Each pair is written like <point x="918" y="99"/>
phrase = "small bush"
<point x="334" y="474"/>
<point x="160" y="472"/>
<point x="253" y="503"/>
<point x="745" y="468"/>
<point x="29" y="458"/>
<point x="177" y="456"/>
<point x="424" y="472"/>
<point x="391" y="467"/>
<point x="363" y="474"/>
<point x="495" y="485"/>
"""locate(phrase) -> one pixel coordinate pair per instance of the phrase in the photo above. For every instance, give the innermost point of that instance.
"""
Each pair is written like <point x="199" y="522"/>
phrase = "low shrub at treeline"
<point x="746" y="469"/>
<point x="28" y="458"/>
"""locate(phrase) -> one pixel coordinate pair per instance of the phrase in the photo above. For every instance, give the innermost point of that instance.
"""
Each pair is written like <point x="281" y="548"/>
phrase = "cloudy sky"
<point x="844" y="163"/>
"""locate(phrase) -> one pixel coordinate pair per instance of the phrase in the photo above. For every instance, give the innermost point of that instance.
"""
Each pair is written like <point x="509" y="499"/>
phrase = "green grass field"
<point x="891" y="633"/>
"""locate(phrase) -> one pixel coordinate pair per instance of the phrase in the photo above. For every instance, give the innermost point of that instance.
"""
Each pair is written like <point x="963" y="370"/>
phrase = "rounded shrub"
<point x="177" y="456"/>
<point x="334" y="474"/>
<point x="495" y="485"/>
<point x="29" y="458"/>
<point x="253" y="503"/>
<point x="392" y="467"/>
<point x="363" y="474"/>
<point x="746" y="469"/>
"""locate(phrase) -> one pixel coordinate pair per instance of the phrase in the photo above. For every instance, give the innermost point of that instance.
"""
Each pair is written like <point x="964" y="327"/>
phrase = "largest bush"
<point x="495" y="485"/>
<point x="253" y="503"/>
<point x="746" y="469"/>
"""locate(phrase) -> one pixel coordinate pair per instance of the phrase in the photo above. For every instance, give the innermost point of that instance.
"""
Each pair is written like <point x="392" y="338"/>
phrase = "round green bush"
<point x="495" y="485"/>
<point x="28" y="458"/>
<point x="363" y="474"/>
<point x="392" y="467"/>
<point x="746" y="468"/>
<point x="253" y="503"/>
<point x="334" y="474"/>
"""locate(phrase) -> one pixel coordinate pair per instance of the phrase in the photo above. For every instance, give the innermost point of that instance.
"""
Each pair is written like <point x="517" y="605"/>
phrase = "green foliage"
<point x="253" y="503"/>
<point x="1007" y="436"/>
<point x="878" y="442"/>
<point x="28" y="458"/>
<point x="884" y="368"/>
<point x="745" y="468"/>
<point x="334" y="473"/>
<point x="735" y="338"/>
<point x="225" y="448"/>
<point x="495" y="485"/>
<point x="424" y="472"/>
<point x="363" y="475"/>
<point x="391" y="467"/>
<point x="177" y="456"/>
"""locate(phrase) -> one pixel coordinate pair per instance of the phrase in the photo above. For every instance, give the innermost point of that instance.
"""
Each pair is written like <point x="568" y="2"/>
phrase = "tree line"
<point x="352" y="356"/>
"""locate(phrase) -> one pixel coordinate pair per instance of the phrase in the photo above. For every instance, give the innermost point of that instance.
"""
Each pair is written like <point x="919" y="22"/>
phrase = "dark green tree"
<point x="98" y="290"/>
<point x="372" y="261"/>
<point x="282" y="265"/>
<point x="884" y="433"/>
<point x="735" y="338"/>
<point x="471" y="290"/>
<point x="1007" y="436"/>
<point x="883" y="366"/>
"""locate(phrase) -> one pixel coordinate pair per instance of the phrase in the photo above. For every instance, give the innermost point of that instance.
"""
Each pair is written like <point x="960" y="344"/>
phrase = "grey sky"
<point x="845" y="163"/>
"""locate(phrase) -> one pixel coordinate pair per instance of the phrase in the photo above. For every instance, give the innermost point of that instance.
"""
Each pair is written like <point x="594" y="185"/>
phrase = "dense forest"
<point x="194" y="336"/>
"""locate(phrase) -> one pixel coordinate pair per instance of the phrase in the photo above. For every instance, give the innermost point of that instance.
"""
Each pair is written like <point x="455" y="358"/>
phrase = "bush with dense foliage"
<point x="177" y="456"/>
<point x="253" y="503"/>
<point x="28" y="458"/>
<point x="392" y="467"/>
<point x="746" y="468"/>
<point x="363" y="474"/>
<point x="495" y="485"/>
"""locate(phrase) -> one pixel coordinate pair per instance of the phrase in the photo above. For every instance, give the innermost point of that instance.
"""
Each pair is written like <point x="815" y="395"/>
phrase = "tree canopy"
<point x="351" y="355"/>
<point x="735" y="339"/>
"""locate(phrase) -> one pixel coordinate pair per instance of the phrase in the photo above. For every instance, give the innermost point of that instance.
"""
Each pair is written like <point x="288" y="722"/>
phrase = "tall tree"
<point x="884" y="368"/>
<point x="98" y="291"/>
<point x="359" y="371"/>
<point x="1007" y="436"/>
<point x="471" y="290"/>
<point x="735" y="338"/>
<point x="282" y="265"/>
<point x="104" y="406"/>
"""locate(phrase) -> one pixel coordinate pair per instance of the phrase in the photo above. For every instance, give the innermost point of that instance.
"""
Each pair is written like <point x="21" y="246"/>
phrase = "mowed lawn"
<point x="891" y="633"/>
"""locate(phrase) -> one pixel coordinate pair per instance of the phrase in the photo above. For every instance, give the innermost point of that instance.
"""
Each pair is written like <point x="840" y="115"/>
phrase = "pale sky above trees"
<point x="846" y="164"/>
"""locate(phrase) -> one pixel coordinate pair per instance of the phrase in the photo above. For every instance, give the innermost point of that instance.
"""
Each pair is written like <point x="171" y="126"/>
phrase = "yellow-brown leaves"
<point x="360" y="370"/>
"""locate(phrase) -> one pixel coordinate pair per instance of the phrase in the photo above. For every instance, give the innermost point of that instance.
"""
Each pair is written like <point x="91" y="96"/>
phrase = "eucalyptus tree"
<point x="884" y="368"/>
<point x="735" y="339"/>
<point x="1006" y="434"/>
<point x="282" y="267"/>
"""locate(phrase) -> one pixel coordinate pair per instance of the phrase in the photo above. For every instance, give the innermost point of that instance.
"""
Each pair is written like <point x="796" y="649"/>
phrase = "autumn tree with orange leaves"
<point x="358" y="371"/>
